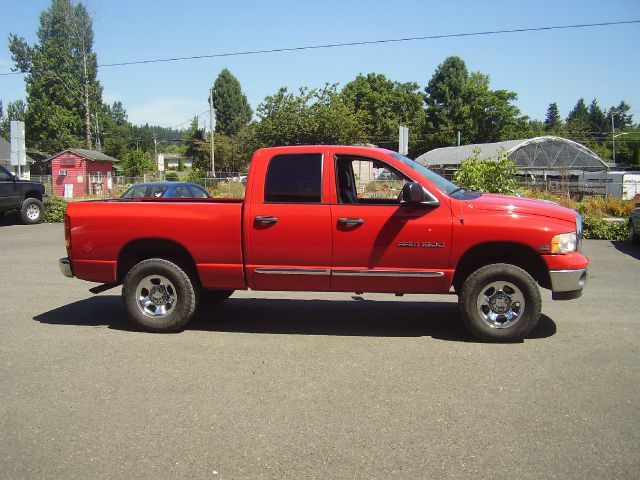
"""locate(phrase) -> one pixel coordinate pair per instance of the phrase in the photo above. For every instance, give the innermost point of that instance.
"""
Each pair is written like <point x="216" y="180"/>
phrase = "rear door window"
<point x="294" y="178"/>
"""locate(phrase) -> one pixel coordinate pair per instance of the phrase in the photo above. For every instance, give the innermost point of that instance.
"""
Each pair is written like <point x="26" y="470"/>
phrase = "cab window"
<point x="362" y="180"/>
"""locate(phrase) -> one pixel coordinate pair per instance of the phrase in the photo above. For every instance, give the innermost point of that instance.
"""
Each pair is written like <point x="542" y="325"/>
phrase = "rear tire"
<point x="500" y="302"/>
<point x="32" y="211"/>
<point x="159" y="296"/>
<point x="633" y="236"/>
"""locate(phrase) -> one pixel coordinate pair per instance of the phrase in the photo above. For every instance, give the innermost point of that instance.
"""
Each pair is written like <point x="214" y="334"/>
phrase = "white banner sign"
<point x="18" y="154"/>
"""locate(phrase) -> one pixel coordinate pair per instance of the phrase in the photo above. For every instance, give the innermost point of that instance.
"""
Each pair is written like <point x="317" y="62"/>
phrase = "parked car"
<point x="634" y="225"/>
<point x="301" y="227"/>
<point x="22" y="195"/>
<point x="166" y="190"/>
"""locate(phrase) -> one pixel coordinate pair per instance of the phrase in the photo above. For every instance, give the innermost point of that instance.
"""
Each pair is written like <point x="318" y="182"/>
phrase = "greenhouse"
<point x="546" y="156"/>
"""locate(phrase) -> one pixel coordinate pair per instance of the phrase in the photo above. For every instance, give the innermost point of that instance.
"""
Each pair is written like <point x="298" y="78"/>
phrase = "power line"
<point x="353" y="44"/>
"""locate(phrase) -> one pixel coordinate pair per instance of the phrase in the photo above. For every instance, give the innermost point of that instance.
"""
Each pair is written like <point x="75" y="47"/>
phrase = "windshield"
<point x="442" y="183"/>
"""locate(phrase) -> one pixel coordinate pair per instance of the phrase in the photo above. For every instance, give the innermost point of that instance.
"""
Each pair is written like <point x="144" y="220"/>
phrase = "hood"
<point x="523" y="206"/>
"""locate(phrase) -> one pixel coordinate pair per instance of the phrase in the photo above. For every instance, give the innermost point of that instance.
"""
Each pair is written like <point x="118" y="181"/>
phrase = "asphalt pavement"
<point x="312" y="385"/>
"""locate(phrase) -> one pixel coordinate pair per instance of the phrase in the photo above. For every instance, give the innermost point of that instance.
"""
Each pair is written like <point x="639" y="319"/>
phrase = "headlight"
<point x="564" y="243"/>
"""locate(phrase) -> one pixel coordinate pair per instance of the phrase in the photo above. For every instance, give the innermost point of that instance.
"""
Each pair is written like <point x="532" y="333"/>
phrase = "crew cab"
<point x="338" y="219"/>
<point x="27" y="197"/>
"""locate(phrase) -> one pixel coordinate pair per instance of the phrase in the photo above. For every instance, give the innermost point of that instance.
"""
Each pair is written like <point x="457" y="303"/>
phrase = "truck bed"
<point x="209" y="231"/>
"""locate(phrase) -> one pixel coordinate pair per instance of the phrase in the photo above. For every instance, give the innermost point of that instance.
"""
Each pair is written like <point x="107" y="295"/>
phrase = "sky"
<point x="541" y="67"/>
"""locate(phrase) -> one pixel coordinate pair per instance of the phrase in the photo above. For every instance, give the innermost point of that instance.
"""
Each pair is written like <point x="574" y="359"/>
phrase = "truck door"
<point x="379" y="244"/>
<point x="288" y="224"/>
<point x="10" y="196"/>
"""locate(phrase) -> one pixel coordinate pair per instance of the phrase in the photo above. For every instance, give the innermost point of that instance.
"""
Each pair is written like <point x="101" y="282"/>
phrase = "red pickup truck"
<point x="332" y="218"/>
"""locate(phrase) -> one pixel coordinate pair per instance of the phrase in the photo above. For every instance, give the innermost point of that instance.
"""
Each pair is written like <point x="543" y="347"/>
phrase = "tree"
<point x="15" y="111"/>
<point x="493" y="116"/>
<point x="623" y="118"/>
<point x="233" y="153"/>
<point x="311" y="116"/>
<point x="553" y="121"/>
<point x="447" y="112"/>
<point x="137" y="163"/>
<point x="387" y="104"/>
<point x="62" y="90"/>
<point x="597" y="120"/>
<point x="461" y="102"/>
<point x="116" y="130"/>
<point x="197" y="148"/>
<point x="230" y="104"/>
<point x="578" y="119"/>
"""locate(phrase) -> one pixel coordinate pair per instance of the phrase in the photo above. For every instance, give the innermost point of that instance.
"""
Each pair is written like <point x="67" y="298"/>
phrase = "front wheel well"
<point x="501" y="252"/>
<point x="143" y="249"/>
<point x="33" y="194"/>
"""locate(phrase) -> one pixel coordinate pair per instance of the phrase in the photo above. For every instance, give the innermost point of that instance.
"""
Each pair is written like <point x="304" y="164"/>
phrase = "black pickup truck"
<point x="26" y="197"/>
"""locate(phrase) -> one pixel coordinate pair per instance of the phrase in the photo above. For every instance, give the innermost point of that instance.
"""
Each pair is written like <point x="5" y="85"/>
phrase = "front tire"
<point x="500" y="302"/>
<point x="159" y="296"/>
<point x="32" y="211"/>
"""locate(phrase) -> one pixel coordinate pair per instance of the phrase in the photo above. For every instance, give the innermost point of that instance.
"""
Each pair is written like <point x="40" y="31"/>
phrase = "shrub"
<point x="600" y="228"/>
<point x="595" y="213"/>
<point x="54" y="210"/>
<point x="171" y="176"/>
<point x="487" y="175"/>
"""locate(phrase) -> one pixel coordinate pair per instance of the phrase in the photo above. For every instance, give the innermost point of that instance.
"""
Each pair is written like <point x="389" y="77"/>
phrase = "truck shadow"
<point x="627" y="248"/>
<point x="7" y="220"/>
<point x="295" y="317"/>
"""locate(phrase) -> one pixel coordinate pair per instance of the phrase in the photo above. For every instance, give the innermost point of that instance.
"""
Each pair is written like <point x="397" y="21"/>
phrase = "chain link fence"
<point x="233" y="186"/>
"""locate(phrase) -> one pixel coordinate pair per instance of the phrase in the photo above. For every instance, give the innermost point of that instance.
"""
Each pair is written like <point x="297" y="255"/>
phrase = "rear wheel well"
<point x="143" y="249"/>
<point x="501" y="252"/>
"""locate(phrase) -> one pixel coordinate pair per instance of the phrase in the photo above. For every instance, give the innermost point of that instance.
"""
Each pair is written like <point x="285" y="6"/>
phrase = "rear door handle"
<point x="350" y="221"/>
<point x="266" y="220"/>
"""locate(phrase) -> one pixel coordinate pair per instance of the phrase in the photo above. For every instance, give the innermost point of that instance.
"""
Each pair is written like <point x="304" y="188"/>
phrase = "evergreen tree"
<point x="231" y="107"/>
<point x="622" y="117"/>
<point x="553" y="121"/>
<point x="578" y="120"/>
<point x="115" y="129"/>
<point x="597" y="120"/>
<point x="62" y="90"/>
<point x="459" y="101"/>
<point x="446" y="111"/>
<point x="579" y="112"/>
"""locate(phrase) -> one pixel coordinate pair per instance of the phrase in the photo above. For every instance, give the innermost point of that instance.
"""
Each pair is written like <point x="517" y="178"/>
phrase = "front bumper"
<point x="65" y="267"/>
<point x="567" y="284"/>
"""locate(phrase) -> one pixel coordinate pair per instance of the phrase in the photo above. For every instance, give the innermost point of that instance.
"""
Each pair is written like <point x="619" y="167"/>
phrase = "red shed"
<point x="77" y="172"/>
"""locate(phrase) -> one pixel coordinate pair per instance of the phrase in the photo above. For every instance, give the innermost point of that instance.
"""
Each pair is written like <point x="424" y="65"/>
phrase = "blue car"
<point x="166" y="190"/>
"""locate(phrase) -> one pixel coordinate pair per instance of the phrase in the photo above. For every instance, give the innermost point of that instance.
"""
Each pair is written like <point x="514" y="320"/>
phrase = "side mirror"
<point x="413" y="193"/>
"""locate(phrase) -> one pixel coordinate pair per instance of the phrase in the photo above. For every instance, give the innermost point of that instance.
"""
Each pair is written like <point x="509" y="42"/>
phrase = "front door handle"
<point x="350" y="221"/>
<point x="266" y="219"/>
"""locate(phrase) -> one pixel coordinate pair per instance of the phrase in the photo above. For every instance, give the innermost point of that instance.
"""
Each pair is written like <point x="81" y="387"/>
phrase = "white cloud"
<point x="174" y="112"/>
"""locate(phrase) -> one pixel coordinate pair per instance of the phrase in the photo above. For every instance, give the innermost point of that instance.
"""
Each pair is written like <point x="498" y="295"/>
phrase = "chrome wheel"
<point x="156" y="296"/>
<point x="500" y="304"/>
<point x="33" y="212"/>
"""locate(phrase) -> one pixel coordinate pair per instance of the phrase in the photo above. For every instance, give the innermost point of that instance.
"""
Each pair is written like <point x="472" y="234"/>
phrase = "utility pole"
<point x="613" y="135"/>
<point x="213" y="165"/>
